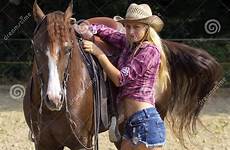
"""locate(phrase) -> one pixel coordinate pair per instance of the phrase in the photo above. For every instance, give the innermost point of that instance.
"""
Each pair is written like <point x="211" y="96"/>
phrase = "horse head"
<point x="53" y="43"/>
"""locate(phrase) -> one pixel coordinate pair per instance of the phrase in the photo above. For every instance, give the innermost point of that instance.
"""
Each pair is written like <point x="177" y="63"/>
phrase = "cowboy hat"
<point x="141" y="13"/>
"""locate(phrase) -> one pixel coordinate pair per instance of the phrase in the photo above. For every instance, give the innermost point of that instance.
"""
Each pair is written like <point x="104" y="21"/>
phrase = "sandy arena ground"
<point x="215" y="116"/>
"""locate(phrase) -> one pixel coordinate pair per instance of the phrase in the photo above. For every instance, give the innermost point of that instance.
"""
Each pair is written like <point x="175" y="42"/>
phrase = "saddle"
<point x="104" y="90"/>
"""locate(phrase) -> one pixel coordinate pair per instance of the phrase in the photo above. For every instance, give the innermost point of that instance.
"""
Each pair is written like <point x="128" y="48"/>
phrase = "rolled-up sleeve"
<point x="139" y="64"/>
<point x="110" y="35"/>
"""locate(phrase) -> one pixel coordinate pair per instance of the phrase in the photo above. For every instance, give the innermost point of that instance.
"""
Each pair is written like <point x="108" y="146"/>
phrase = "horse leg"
<point x="47" y="141"/>
<point x="49" y="148"/>
<point x="48" y="145"/>
<point x="60" y="148"/>
<point x="45" y="146"/>
<point x="85" y="142"/>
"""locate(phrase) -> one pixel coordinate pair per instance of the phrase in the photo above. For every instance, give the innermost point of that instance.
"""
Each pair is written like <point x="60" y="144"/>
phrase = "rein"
<point x="64" y="94"/>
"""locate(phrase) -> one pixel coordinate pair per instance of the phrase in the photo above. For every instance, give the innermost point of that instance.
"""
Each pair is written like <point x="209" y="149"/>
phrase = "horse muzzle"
<point x="54" y="103"/>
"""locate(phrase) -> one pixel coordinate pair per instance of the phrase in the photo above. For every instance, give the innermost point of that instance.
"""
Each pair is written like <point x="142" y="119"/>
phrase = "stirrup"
<point x="114" y="134"/>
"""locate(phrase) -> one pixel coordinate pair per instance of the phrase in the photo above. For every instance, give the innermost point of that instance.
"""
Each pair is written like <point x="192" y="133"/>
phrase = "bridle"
<point x="39" y="74"/>
<point x="64" y="87"/>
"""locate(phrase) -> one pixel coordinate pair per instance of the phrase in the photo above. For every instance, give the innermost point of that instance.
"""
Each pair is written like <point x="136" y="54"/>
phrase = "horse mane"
<point x="194" y="75"/>
<point x="58" y="29"/>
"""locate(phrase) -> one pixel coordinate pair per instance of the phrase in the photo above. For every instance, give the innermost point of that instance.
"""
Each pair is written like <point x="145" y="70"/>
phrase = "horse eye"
<point x="37" y="51"/>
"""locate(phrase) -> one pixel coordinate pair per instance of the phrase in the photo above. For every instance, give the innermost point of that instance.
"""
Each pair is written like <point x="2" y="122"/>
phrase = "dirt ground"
<point x="215" y="116"/>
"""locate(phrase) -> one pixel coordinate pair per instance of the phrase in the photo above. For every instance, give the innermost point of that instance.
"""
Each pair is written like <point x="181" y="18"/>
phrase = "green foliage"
<point x="219" y="49"/>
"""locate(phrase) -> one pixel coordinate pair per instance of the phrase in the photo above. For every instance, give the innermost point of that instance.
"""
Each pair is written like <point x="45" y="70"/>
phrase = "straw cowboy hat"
<point x="141" y="13"/>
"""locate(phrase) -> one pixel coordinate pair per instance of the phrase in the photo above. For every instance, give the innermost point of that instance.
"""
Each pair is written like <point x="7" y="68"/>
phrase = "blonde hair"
<point x="163" y="72"/>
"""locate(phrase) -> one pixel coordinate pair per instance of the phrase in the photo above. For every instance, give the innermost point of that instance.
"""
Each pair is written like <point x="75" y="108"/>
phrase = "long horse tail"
<point x="195" y="75"/>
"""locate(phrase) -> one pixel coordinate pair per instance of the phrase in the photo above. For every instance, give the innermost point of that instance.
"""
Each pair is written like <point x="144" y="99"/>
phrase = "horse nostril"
<point x="49" y="102"/>
<point x="53" y="103"/>
<point x="62" y="98"/>
<point x="47" y="97"/>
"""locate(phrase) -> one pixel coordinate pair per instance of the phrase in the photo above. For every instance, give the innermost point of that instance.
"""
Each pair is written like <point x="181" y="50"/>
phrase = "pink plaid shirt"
<point x="137" y="74"/>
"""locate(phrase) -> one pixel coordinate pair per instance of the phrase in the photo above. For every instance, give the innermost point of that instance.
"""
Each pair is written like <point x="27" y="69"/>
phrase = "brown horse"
<point x="58" y="104"/>
<point x="58" y="75"/>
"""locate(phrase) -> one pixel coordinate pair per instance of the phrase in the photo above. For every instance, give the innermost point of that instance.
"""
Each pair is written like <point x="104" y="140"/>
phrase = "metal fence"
<point x="17" y="22"/>
<point x="16" y="57"/>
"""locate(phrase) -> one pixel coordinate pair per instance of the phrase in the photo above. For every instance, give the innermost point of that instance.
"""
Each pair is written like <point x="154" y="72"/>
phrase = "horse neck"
<point x="79" y="76"/>
<point x="76" y="59"/>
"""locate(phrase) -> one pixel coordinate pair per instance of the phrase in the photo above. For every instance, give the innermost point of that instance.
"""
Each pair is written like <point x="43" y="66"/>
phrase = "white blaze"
<point x="54" y="87"/>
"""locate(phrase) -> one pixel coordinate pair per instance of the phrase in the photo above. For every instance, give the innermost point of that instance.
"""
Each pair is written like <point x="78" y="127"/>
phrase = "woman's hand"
<point x="112" y="71"/>
<point x="84" y="30"/>
<point x="90" y="47"/>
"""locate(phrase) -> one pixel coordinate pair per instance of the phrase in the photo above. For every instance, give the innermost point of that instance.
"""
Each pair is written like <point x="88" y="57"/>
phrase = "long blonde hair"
<point x="163" y="72"/>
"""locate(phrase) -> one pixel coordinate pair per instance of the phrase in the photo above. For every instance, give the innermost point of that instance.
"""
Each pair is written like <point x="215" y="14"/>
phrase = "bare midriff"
<point x="130" y="106"/>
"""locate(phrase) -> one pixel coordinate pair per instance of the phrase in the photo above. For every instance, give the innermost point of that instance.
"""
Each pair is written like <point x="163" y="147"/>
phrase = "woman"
<point x="142" y="59"/>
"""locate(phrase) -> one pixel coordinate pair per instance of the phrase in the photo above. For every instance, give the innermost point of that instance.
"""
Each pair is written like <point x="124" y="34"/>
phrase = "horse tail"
<point x="195" y="75"/>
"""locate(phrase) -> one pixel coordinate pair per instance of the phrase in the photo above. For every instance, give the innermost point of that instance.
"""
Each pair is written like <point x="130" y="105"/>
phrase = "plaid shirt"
<point x="137" y="74"/>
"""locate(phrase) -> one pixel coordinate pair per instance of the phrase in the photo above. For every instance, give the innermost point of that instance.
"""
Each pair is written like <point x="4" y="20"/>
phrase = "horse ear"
<point x="69" y="11"/>
<point x="37" y="12"/>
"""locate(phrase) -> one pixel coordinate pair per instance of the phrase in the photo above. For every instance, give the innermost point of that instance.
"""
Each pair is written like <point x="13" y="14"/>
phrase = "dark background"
<point x="185" y="21"/>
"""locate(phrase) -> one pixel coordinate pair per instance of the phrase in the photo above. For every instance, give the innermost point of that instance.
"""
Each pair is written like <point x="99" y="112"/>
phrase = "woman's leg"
<point x="143" y="147"/>
<point x="157" y="148"/>
<point x="145" y="126"/>
<point x="127" y="145"/>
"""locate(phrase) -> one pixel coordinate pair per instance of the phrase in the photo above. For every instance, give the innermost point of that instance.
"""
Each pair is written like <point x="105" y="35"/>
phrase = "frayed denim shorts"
<point x="146" y="127"/>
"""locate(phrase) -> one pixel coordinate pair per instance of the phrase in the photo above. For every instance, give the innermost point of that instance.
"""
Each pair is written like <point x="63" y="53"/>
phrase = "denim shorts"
<point x="146" y="127"/>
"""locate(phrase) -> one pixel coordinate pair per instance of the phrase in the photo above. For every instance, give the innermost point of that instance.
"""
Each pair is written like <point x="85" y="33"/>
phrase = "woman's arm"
<point x="112" y="36"/>
<point x="109" y="68"/>
<point x="136" y="67"/>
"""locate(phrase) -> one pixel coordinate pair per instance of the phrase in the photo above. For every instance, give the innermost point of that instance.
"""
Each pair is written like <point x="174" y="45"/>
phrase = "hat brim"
<point x="154" y="21"/>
